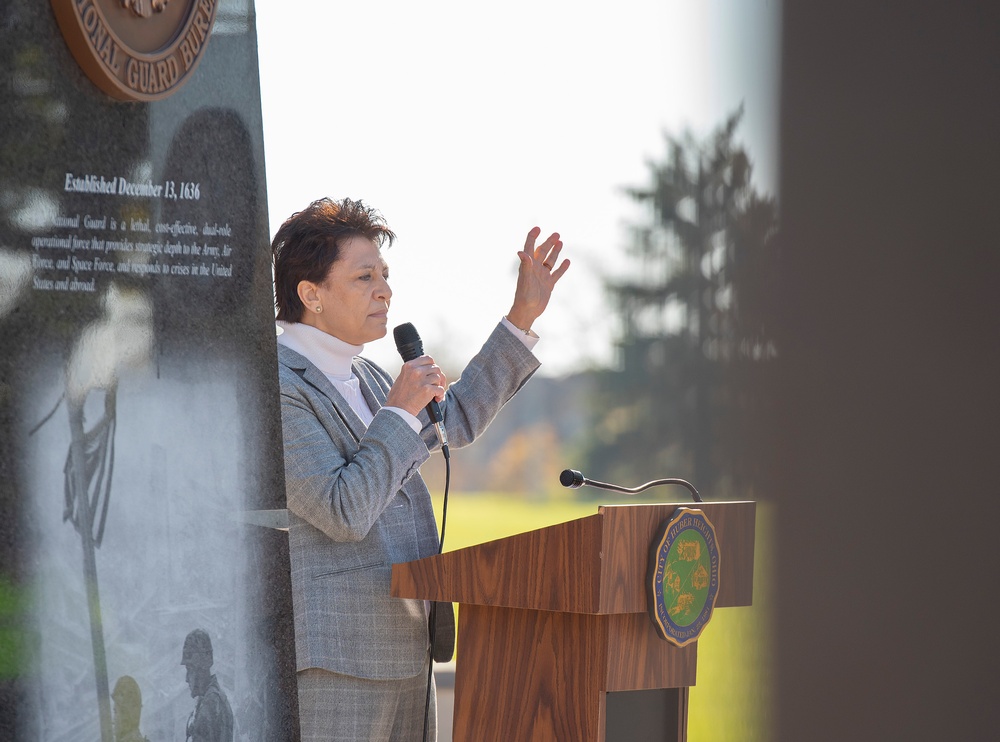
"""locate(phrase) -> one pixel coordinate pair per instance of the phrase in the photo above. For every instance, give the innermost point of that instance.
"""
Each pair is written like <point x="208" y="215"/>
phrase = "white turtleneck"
<point x="335" y="358"/>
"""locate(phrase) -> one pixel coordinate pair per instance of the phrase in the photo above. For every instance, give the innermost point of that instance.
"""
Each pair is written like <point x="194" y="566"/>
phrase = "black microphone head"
<point x="408" y="342"/>
<point x="571" y="478"/>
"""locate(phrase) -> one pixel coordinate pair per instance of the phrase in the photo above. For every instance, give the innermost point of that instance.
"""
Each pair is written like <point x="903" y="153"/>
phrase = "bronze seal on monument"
<point x="137" y="50"/>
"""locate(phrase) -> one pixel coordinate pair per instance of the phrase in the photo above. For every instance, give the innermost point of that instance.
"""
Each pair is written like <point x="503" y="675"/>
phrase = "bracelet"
<point x="527" y="332"/>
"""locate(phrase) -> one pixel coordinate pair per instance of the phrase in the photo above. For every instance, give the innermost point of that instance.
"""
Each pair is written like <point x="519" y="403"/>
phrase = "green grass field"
<point x="732" y="699"/>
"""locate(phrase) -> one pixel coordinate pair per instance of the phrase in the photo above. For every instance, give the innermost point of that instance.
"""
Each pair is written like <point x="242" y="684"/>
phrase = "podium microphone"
<point x="410" y="346"/>
<point x="572" y="478"/>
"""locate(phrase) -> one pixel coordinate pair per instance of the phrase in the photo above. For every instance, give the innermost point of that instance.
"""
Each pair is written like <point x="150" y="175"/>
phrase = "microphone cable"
<point x="410" y="346"/>
<point x="432" y="617"/>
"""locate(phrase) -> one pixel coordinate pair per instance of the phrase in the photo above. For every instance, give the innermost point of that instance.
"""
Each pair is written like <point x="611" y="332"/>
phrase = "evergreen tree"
<point x="695" y="319"/>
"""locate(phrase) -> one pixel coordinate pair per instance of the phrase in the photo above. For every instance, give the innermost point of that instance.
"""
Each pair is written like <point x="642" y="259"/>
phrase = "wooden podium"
<point x="554" y="639"/>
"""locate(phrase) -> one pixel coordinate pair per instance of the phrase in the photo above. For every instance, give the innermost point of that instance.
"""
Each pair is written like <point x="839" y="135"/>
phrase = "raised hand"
<point x="536" y="277"/>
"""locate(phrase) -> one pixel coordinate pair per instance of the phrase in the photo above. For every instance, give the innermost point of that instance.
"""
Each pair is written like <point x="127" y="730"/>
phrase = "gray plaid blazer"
<point x="357" y="504"/>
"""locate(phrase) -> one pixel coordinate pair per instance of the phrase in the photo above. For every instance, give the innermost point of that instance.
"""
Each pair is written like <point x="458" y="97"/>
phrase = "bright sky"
<point x="467" y="124"/>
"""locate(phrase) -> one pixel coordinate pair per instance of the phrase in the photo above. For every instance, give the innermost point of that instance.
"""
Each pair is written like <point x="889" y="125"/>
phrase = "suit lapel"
<point x="324" y="387"/>
<point x="373" y="392"/>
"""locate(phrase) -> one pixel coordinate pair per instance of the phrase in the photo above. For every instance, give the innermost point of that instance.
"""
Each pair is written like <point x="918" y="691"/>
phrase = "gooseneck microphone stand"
<point x="573" y="479"/>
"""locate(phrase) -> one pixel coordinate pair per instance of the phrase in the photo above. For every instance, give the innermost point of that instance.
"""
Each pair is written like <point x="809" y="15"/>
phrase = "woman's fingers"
<point x="419" y="381"/>
<point x="547" y="253"/>
<point x="550" y="259"/>
<point x="529" y="241"/>
<point x="558" y="272"/>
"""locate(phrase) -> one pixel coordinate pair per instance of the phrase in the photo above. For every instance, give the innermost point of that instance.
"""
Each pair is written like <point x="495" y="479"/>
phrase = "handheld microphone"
<point x="410" y="346"/>
<point x="572" y="478"/>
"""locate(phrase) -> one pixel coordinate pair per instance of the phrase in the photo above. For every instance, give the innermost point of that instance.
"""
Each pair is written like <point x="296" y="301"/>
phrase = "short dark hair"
<point x="309" y="241"/>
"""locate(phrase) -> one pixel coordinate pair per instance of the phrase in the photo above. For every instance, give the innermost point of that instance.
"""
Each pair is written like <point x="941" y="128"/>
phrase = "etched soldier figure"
<point x="212" y="718"/>
<point x="127" y="700"/>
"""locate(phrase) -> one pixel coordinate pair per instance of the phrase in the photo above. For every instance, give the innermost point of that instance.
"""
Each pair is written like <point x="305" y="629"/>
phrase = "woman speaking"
<point x="354" y="439"/>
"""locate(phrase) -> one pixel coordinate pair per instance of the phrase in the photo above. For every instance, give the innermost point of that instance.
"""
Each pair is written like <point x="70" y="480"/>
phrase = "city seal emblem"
<point x="682" y="578"/>
<point x="136" y="50"/>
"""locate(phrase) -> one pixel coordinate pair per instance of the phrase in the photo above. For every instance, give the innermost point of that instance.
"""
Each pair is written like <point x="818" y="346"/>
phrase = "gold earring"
<point x="318" y="309"/>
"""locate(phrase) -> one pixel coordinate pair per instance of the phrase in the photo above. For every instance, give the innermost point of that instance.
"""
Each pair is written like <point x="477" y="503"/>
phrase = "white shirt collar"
<point x="330" y="355"/>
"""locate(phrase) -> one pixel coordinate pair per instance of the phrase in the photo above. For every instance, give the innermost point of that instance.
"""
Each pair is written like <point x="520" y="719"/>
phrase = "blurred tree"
<point x="696" y="314"/>
<point x="528" y="462"/>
